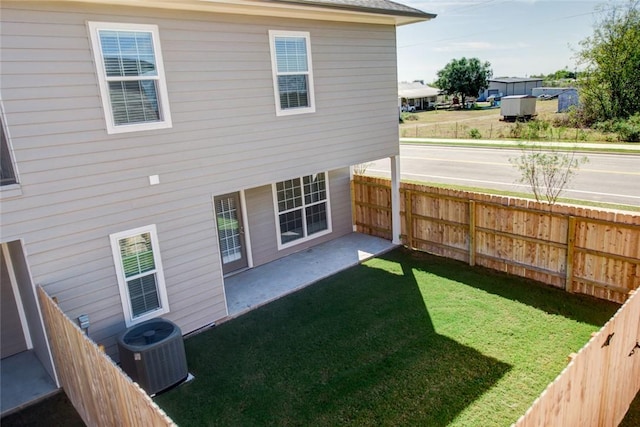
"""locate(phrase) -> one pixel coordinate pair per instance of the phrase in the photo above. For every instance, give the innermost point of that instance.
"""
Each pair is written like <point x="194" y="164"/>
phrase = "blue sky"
<point x="518" y="37"/>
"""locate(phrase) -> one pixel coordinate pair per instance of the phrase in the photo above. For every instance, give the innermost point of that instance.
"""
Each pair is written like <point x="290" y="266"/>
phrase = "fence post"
<point x="571" y="240"/>
<point x="472" y="232"/>
<point x="396" y="228"/>
<point x="354" y="218"/>
<point x="408" y="210"/>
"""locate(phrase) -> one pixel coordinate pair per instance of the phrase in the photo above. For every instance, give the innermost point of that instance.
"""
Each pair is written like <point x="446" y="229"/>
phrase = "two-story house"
<point x="152" y="148"/>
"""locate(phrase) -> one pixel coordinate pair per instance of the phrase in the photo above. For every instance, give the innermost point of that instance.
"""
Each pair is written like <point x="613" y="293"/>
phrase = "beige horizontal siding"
<point x="80" y="184"/>
<point x="262" y="222"/>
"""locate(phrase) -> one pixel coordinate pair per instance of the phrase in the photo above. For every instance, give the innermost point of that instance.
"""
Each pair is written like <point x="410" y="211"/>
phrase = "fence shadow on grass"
<point x="355" y="349"/>
<point x="552" y="300"/>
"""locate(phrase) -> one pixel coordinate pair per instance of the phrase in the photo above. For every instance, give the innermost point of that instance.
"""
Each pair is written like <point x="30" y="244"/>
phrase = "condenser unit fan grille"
<point x="148" y="333"/>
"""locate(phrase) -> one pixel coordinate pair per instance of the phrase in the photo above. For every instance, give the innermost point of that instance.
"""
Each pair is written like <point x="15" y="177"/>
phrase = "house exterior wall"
<point x="80" y="184"/>
<point x="262" y="219"/>
<point x="30" y="305"/>
<point x="12" y="336"/>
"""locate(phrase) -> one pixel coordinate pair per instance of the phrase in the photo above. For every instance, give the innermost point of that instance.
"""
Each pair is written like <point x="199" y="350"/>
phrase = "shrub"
<point x="562" y="120"/>
<point x="629" y="130"/>
<point x="561" y="130"/>
<point x="516" y="130"/>
<point x="608" y="126"/>
<point x="475" y="134"/>
<point x="626" y="130"/>
<point x="408" y="117"/>
<point x="536" y="129"/>
<point x="361" y="168"/>
<point x="581" y="135"/>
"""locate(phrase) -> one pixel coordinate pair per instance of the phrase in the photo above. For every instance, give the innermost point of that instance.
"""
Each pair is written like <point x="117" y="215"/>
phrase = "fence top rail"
<point x="50" y="306"/>
<point x="587" y="214"/>
<point x="594" y="340"/>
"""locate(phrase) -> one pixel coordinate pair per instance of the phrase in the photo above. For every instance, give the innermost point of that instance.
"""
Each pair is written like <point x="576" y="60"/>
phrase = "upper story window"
<point x="131" y="76"/>
<point x="292" y="72"/>
<point x="302" y="209"/>
<point x="7" y="172"/>
<point x="140" y="276"/>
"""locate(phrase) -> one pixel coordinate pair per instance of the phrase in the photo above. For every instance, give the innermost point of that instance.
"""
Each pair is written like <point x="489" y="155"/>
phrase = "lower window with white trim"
<point x="136" y="254"/>
<point x="302" y="209"/>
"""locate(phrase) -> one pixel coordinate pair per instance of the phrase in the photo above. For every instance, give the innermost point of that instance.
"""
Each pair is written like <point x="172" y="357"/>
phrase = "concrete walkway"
<point x="628" y="147"/>
<point x="24" y="381"/>
<point x="260" y="285"/>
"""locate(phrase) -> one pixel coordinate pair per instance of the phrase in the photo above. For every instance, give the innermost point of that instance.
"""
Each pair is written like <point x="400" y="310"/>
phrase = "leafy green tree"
<point x="464" y="77"/>
<point x="611" y="87"/>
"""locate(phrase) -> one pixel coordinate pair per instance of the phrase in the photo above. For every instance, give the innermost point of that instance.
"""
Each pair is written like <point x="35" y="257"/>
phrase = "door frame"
<point x="16" y="295"/>
<point x="245" y="222"/>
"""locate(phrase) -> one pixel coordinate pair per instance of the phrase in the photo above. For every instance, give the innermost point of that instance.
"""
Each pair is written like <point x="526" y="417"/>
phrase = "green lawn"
<point x="405" y="339"/>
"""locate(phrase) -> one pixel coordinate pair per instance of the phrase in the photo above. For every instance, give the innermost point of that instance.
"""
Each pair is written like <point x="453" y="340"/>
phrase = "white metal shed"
<point x="516" y="106"/>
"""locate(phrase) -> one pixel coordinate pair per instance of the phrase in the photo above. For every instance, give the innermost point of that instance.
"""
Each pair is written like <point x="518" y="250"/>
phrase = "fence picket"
<point x="579" y="249"/>
<point x="583" y="250"/>
<point x="101" y="393"/>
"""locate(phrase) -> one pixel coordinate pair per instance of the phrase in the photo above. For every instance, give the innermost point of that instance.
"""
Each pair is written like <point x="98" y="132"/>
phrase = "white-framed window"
<point x="131" y="76"/>
<point x="302" y="209"/>
<point x="292" y="72"/>
<point x="7" y="171"/>
<point x="136" y="254"/>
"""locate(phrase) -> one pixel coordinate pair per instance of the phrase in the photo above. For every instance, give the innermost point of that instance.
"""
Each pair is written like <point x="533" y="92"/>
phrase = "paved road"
<point x="613" y="178"/>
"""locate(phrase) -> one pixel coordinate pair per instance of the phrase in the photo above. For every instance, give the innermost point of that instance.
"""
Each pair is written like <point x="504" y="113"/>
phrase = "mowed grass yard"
<point x="487" y="121"/>
<point x="403" y="339"/>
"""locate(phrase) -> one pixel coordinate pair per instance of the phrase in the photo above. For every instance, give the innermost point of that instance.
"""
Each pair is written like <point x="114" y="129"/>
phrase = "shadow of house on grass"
<point x="358" y="348"/>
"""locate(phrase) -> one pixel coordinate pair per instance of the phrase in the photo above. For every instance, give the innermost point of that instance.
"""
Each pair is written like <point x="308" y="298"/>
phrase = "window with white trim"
<point x="131" y="76"/>
<point x="302" y="209"/>
<point x="139" y="269"/>
<point x="292" y="72"/>
<point x="7" y="172"/>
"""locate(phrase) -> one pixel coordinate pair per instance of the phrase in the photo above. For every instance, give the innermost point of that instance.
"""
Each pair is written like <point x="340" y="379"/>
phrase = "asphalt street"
<point x="613" y="178"/>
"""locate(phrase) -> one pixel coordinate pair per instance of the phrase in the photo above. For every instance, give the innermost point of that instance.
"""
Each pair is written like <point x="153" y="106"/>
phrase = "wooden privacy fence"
<point x="100" y="391"/>
<point x="589" y="251"/>
<point x="601" y="381"/>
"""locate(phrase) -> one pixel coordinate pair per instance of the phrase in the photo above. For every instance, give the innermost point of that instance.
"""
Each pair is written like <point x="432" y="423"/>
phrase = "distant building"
<point x="548" y="91"/>
<point x="417" y="95"/>
<point x="567" y="99"/>
<point x="507" y="86"/>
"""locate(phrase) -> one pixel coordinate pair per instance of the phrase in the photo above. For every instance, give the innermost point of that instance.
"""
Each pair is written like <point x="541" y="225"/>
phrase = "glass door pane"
<point x="230" y="232"/>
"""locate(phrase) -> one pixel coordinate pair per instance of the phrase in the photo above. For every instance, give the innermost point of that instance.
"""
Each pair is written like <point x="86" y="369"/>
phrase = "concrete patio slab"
<point x="255" y="287"/>
<point x="24" y="380"/>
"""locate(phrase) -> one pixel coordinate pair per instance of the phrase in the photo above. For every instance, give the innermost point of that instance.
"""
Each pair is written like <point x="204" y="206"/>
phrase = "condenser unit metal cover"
<point x="152" y="354"/>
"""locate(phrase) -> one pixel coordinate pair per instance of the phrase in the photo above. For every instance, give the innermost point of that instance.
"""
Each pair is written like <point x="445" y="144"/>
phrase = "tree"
<point x="547" y="173"/>
<point x="611" y="88"/>
<point x="464" y="77"/>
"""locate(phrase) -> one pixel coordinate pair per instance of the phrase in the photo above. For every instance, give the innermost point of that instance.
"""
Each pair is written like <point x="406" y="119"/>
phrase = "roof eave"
<point x="401" y="17"/>
<point x="283" y="9"/>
